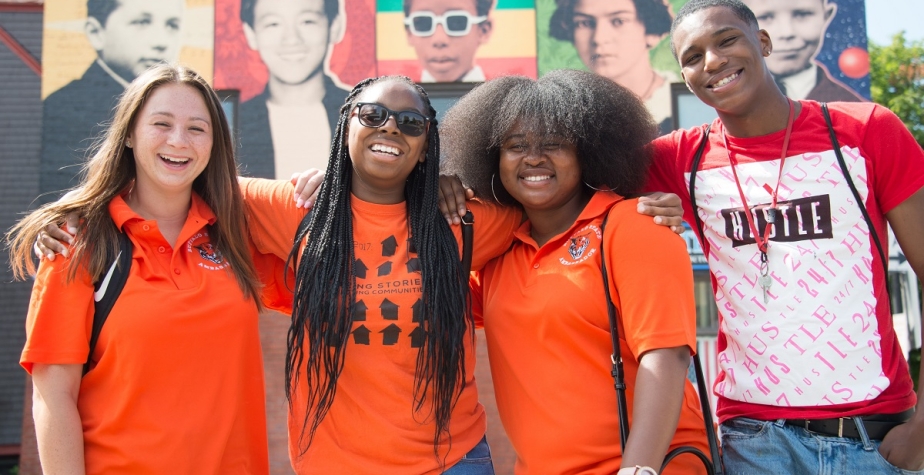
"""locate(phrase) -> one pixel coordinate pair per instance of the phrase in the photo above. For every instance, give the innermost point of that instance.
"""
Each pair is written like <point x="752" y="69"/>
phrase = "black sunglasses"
<point x="410" y="123"/>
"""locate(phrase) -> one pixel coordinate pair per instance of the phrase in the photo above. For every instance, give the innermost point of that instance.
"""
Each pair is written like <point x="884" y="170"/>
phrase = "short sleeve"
<point x="271" y="214"/>
<point x="897" y="159"/>
<point x="60" y="317"/>
<point x="277" y="279"/>
<point x="493" y="230"/>
<point x="652" y="276"/>
<point x="663" y="173"/>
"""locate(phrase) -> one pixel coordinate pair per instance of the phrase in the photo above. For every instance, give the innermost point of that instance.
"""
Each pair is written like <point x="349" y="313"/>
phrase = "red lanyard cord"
<point x="762" y="240"/>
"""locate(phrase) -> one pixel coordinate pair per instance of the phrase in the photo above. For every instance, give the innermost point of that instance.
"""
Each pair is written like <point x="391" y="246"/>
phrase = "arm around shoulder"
<point x="272" y="214"/>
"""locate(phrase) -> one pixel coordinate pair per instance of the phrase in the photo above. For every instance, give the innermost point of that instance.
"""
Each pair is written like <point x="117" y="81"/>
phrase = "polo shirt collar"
<point x="199" y="212"/>
<point x="598" y="205"/>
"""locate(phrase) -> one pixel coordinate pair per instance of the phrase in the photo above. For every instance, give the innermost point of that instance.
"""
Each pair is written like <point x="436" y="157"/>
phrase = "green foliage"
<point x="897" y="80"/>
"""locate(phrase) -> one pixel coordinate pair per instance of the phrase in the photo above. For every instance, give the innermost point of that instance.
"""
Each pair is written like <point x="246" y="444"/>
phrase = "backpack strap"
<point x="856" y="195"/>
<point x="107" y="290"/>
<point x="697" y="159"/>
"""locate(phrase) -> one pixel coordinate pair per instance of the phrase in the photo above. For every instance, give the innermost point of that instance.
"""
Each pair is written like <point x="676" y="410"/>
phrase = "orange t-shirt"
<point x="545" y="320"/>
<point x="177" y="385"/>
<point x="371" y="426"/>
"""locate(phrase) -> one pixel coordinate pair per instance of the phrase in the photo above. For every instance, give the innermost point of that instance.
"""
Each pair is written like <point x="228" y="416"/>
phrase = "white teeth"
<point x="174" y="159"/>
<point x="536" y="178"/>
<point x="385" y="149"/>
<point x="725" y="81"/>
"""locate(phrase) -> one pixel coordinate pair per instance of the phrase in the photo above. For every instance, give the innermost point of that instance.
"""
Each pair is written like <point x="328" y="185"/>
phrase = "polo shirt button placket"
<point x="535" y="266"/>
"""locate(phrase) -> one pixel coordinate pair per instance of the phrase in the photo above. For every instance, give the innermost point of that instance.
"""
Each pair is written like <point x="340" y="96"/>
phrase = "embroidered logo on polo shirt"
<point x="211" y="257"/>
<point x="208" y="252"/>
<point x="579" y="243"/>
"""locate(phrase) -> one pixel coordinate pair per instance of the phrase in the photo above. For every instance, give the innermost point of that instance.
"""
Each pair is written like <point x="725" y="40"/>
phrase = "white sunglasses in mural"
<point x="455" y="22"/>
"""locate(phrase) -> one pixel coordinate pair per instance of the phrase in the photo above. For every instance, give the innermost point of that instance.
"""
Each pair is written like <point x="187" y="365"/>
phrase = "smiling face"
<point x="609" y="37"/>
<point x="383" y="157"/>
<point x="541" y="173"/>
<point x="291" y="36"/>
<point x="171" y="140"/>
<point x="721" y="59"/>
<point x="797" y="28"/>
<point x="448" y="58"/>
<point x="137" y="35"/>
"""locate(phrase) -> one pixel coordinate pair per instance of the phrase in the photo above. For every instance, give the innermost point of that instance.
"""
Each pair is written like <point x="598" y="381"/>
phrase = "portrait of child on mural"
<point x="446" y="35"/>
<point x="797" y="29"/>
<point x="455" y="40"/>
<point x="126" y="37"/>
<point x="289" y="125"/>
<point x="614" y="39"/>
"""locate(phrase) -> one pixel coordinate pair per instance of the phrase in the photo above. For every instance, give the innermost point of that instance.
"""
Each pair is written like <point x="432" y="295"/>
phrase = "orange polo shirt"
<point x="545" y="320"/>
<point x="371" y="426"/>
<point x="177" y="385"/>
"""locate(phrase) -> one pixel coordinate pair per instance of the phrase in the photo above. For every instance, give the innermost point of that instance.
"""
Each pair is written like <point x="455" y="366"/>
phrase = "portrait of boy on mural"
<point x="446" y="34"/>
<point x="614" y="39"/>
<point x="797" y="28"/>
<point x="128" y="36"/>
<point x="288" y="126"/>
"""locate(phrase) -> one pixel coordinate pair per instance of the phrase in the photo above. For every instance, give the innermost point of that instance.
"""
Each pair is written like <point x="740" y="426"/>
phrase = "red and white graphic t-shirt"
<point x="822" y="343"/>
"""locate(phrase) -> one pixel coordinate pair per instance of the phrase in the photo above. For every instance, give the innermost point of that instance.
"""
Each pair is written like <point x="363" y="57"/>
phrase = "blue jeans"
<point x="476" y="462"/>
<point x="759" y="447"/>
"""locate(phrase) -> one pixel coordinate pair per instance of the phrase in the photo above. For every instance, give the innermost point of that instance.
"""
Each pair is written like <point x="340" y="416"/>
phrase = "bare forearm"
<point x="657" y="402"/>
<point x="58" y="428"/>
<point x="60" y="438"/>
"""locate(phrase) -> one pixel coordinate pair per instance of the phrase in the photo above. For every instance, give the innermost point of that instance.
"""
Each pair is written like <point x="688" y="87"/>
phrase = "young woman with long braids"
<point x="380" y="360"/>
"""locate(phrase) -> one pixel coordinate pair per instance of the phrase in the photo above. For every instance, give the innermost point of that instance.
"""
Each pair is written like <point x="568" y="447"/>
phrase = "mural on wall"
<point x="456" y="40"/>
<point x="819" y="47"/>
<point x="294" y="62"/>
<point x="92" y="49"/>
<point x="624" y="40"/>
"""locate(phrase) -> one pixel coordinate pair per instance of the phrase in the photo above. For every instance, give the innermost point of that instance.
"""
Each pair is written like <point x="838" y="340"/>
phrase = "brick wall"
<point x="20" y="133"/>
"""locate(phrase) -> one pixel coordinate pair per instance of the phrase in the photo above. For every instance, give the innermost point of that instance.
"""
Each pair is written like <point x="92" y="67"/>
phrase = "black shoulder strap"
<point x="713" y="464"/>
<point x="697" y="159"/>
<point x="853" y="189"/>
<point x="468" y="222"/>
<point x="107" y="290"/>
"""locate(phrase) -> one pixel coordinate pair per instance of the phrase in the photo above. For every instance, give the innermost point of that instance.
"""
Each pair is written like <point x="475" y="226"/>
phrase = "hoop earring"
<point x="492" y="188"/>
<point x="592" y="188"/>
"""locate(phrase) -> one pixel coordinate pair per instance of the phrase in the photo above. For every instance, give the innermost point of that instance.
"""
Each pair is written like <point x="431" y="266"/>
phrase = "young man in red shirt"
<point x="811" y="376"/>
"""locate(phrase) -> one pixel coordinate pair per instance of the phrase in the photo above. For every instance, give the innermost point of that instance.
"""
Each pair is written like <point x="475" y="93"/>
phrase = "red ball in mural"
<point x="854" y="62"/>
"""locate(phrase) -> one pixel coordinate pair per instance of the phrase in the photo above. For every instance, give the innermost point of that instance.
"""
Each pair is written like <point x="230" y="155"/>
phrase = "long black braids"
<point x="325" y="288"/>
